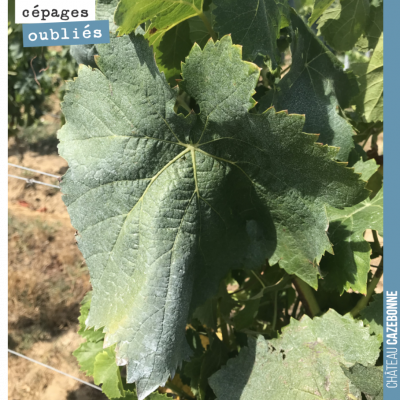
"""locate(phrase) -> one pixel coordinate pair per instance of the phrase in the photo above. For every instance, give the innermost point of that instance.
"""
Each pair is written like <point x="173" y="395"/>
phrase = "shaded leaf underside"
<point x="166" y="205"/>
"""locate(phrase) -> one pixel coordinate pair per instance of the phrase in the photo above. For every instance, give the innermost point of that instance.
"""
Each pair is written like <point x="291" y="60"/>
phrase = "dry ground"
<point x="47" y="280"/>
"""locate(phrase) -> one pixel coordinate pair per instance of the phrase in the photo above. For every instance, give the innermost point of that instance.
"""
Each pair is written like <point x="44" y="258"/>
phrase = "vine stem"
<point x="307" y="297"/>
<point x="363" y="302"/>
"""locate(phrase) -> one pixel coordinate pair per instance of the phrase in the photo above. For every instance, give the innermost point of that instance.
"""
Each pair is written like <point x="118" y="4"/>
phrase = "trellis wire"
<point x="30" y="181"/>
<point x="54" y="369"/>
<point x="34" y="170"/>
<point x="33" y="181"/>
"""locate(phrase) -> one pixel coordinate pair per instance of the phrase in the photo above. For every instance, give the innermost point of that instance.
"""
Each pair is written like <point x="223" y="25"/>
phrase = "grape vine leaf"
<point x="171" y="49"/>
<point x="349" y="266"/>
<point x="198" y="32"/>
<point x="166" y="205"/>
<point x="318" y="9"/>
<point x="373" y="315"/>
<point x="373" y="30"/>
<point x="368" y="379"/>
<point x="369" y="102"/>
<point x="324" y="86"/>
<point x="89" y="334"/>
<point x="254" y="24"/>
<point x="284" y="10"/>
<point x="106" y="372"/>
<point x="343" y="24"/>
<point x="164" y="15"/>
<point x="303" y="363"/>
<point x="86" y="355"/>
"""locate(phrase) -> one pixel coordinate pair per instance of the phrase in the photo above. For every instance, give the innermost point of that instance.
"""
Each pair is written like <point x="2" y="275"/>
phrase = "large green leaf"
<point x="369" y="102"/>
<point x="373" y="316"/>
<point x="349" y="267"/>
<point x="164" y="14"/>
<point x="254" y="24"/>
<point x="303" y="364"/>
<point x="166" y="205"/>
<point x="368" y="379"/>
<point x="319" y="7"/>
<point x="316" y="86"/>
<point x="343" y="24"/>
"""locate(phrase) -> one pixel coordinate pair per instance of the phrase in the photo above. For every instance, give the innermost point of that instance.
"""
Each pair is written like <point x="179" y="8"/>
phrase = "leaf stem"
<point x="258" y="278"/>
<point x="207" y="25"/>
<point x="363" y="302"/>
<point x="307" y="297"/>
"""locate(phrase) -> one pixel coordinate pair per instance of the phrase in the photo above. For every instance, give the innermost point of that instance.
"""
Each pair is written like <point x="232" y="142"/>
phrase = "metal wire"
<point x="53" y="369"/>
<point x="34" y="170"/>
<point x="30" y="181"/>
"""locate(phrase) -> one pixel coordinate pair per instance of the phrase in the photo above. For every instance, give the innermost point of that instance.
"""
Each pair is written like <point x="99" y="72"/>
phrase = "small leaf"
<point x="373" y="316"/>
<point x="245" y="318"/>
<point x="86" y="355"/>
<point x="343" y="24"/>
<point x="171" y="49"/>
<point x="349" y="267"/>
<point x="303" y="363"/>
<point x="106" y="372"/>
<point x="368" y="379"/>
<point x="369" y="102"/>
<point x="319" y="7"/>
<point x="254" y="24"/>
<point x="373" y="30"/>
<point x="88" y="333"/>
<point x="284" y="9"/>
<point x="214" y="358"/>
<point x="316" y="86"/>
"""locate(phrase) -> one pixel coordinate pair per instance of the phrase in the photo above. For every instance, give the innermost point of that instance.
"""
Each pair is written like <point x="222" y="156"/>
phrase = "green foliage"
<point x="373" y="316"/>
<point x="27" y="95"/>
<point x="368" y="379"/>
<point x="318" y="9"/>
<point x="348" y="268"/>
<point x="369" y="102"/>
<point x="325" y="88"/>
<point x="205" y="188"/>
<point x="304" y="361"/>
<point x="344" y="23"/>
<point x="254" y="24"/>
